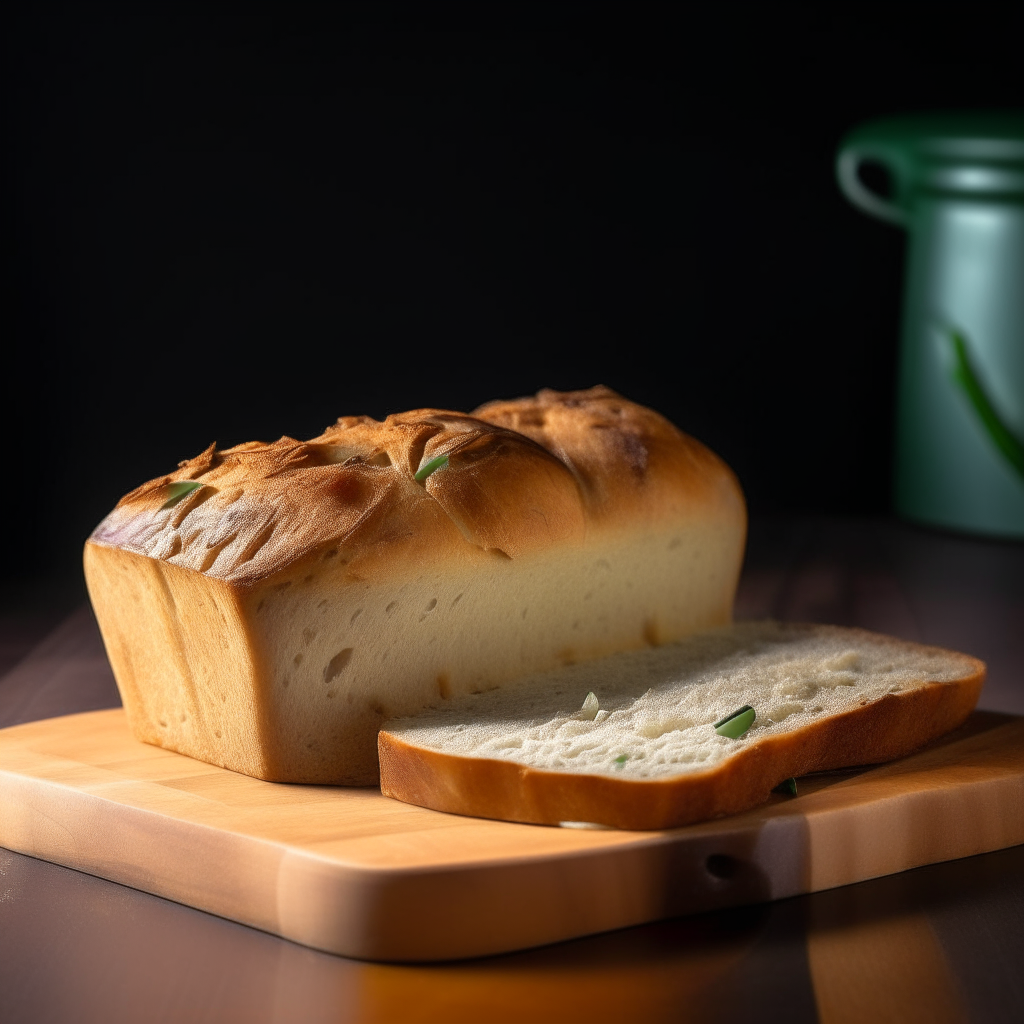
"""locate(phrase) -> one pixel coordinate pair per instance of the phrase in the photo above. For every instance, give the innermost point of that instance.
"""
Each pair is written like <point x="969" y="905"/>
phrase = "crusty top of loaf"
<point x="522" y="476"/>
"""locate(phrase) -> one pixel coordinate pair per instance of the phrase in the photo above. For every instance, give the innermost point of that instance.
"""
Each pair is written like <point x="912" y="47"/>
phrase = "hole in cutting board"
<point x="721" y="865"/>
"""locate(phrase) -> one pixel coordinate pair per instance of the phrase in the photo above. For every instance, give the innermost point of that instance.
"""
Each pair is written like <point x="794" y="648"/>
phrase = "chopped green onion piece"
<point x="620" y="761"/>
<point x="736" y="724"/>
<point x="789" y="786"/>
<point x="177" y="491"/>
<point x="591" y="706"/>
<point x="430" y="467"/>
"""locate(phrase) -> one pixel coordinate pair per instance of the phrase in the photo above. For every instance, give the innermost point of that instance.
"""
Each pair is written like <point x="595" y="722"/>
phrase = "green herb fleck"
<point x="789" y="786"/>
<point x="964" y="375"/>
<point x="736" y="724"/>
<point x="430" y="467"/>
<point x="178" y="490"/>
<point x="620" y="761"/>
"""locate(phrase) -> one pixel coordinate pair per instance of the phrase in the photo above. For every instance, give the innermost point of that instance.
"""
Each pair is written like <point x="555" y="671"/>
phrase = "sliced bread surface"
<point x="630" y="740"/>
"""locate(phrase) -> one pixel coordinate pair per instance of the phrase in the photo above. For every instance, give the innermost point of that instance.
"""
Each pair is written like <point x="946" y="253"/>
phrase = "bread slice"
<point x="267" y="607"/>
<point x="630" y="740"/>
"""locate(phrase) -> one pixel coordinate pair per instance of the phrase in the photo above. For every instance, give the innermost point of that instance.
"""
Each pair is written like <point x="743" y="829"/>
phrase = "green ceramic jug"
<point x="958" y="189"/>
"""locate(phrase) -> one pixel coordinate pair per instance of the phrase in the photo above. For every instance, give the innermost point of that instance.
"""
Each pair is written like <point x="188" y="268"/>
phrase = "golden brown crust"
<point x="628" y="460"/>
<point x="522" y="476"/>
<point x="884" y="729"/>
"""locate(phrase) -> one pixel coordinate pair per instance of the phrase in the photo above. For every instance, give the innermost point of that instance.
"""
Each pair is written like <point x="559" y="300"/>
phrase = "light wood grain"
<point x="348" y="871"/>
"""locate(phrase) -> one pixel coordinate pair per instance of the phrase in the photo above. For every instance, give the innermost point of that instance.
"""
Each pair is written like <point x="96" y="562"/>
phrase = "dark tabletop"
<point x="942" y="943"/>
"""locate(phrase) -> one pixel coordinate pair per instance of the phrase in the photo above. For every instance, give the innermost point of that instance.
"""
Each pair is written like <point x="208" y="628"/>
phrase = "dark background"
<point x="239" y="226"/>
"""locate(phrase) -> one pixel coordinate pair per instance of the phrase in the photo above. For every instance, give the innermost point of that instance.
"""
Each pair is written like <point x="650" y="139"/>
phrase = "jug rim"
<point x="973" y="155"/>
<point x="978" y="135"/>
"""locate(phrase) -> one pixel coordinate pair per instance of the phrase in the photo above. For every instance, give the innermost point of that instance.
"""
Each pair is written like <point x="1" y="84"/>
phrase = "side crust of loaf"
<point x="290" y="680"/>
<point x="890" y="727"/>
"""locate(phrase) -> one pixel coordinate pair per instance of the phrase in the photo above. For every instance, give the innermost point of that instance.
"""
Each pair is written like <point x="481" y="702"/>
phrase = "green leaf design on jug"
<point x="964" y="376"/>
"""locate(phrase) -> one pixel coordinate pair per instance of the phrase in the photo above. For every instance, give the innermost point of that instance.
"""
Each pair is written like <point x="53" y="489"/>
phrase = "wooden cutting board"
<point x="351" y="872"/>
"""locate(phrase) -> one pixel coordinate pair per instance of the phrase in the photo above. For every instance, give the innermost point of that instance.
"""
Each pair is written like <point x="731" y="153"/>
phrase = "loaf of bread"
<point x="631" y="740"/>
<point x="267" y="607"/>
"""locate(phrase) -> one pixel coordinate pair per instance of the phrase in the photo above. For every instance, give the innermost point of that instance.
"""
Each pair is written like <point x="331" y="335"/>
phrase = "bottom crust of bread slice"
<point x="630" y="741"/>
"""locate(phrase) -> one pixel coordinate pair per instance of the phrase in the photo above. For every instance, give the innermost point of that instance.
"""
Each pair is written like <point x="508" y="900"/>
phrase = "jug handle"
<point x="848" y="164"/>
